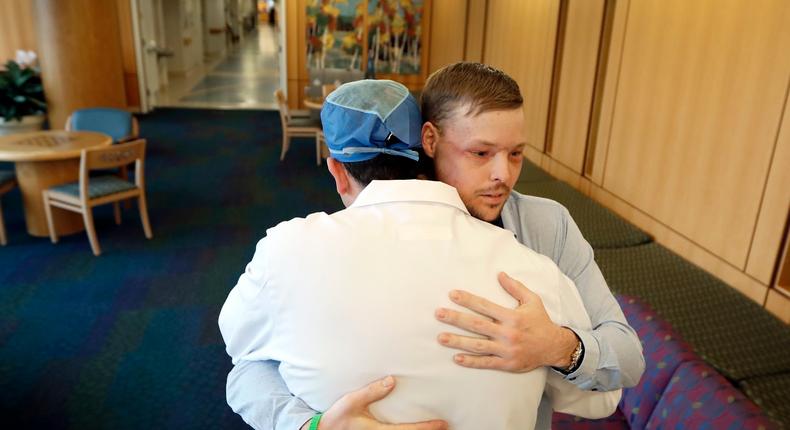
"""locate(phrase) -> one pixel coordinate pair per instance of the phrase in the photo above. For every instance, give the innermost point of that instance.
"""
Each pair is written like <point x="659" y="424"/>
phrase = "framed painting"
<point x="388" y="37"/>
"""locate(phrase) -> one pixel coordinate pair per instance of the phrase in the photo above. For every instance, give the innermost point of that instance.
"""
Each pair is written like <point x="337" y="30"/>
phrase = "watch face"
<point x="575" y="357"/>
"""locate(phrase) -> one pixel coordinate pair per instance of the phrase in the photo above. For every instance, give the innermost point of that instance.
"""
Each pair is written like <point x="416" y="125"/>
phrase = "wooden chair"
<point x="296" y="124"/>
<point x="119" y="124"/>
<point x="327" y="89"/>
<point x="321" y="146"/>
<point x="7" y="183"/>
<point x="82" y="196"/>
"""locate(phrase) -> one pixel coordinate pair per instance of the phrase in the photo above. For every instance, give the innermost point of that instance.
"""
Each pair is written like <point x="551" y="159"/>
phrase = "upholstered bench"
<point x="600" y="226"/>
<point x="735" y="335"/>
<point x="532" y="173"/>
<point x="678" y="390"/>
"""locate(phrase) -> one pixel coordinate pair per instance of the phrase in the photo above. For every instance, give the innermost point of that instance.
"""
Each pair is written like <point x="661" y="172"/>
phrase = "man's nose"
<point x="500" y="169"/>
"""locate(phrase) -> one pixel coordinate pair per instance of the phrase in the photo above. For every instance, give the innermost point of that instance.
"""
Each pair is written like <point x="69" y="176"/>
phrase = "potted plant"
<point x="22" y="103"/>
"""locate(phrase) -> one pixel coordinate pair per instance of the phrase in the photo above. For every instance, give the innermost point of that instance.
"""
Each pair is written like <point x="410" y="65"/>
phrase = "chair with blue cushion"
<point x="116" y="123"/>
<point x="90" y="191"/>
<point x="119" y="124"/>
<point x="7" y="183"/>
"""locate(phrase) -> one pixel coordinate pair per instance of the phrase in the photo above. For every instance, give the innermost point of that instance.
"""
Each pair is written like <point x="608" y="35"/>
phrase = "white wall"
<point x="214" y="17"/>
<point x="161" y="38"/>
<point x="184" y="34"/>
<point x="195" y="31"/>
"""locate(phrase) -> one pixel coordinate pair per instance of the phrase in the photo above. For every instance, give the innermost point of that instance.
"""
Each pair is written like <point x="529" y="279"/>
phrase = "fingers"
<point x="370" y="393"/>
<point x="351" y="411"/>
<point x="471" y="344"/>
<point x="515" y="288"/>
<point x="473" y="323"/>
<point x="481" y="361"/>
<point x="479" y="304"/>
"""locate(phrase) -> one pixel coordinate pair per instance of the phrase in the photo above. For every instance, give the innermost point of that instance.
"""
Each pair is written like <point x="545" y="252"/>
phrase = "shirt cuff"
<point x="583" y="376"/>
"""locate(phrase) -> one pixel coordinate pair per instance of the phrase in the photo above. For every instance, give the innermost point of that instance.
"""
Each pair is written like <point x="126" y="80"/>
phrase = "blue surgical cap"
<point x="363" y="119"/>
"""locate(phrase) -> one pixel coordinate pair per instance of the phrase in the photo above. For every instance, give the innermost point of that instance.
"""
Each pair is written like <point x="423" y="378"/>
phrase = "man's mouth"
<point x="493" y="198"/>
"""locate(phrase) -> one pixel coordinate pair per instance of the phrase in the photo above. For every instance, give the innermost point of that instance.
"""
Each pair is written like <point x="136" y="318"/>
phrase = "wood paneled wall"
<point x="475" y="29"/>
<point x="774" y="209"/>
<point x="295" y="43"/>
<point x="17" y="29"/>
<point x="520" y="39"/>
<point x="130" y="79"/>
<point x="81" y="64"/>
<point x="608" y="73"/>
<point x="700" y="96"/>
<point x="779" y="305"/>
<point x="672" y="113"/>
<point x="574" y="77"/>
<point x="448" y="33"/>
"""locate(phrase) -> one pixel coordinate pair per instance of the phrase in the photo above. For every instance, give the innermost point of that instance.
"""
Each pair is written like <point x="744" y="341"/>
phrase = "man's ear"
<point x="430" y="136"/>
<point x="340" y="174"/>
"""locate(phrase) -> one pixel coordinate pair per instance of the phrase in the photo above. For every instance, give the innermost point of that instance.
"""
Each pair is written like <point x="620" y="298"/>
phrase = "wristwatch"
<point x="576" y="356"/>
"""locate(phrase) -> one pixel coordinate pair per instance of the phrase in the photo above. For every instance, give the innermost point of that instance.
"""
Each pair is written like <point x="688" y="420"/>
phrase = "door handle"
<point x="163" y="53"/>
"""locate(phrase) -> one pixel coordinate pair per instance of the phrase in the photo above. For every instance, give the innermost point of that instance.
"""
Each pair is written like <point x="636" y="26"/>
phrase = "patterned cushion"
<point x="697" y="397"/>
<point x="601" y="227"/>
<point x="97" y="187"/>
<point x="563" y="421"/>
<point x="5" y="176"/>
<point x="729" y="331"/>
<point x="664" y="352"/>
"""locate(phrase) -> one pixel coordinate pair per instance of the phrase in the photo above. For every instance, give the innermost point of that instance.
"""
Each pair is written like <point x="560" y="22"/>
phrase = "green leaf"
<point x="22" y="78"/>
<point x="21" y="91"/>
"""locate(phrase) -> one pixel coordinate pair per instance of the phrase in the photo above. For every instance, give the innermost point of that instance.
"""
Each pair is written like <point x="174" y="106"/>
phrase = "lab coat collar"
<point x="412" y="190"/>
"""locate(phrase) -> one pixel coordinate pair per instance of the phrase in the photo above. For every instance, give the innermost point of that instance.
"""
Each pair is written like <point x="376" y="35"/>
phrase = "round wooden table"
<point x="44" y="159"/>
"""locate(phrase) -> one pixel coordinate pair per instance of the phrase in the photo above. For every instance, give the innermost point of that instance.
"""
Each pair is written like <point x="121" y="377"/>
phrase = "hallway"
<point x="245" y="78"/>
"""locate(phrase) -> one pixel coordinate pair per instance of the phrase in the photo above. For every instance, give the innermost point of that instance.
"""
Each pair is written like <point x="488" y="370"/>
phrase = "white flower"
<point x="26" y="58"/>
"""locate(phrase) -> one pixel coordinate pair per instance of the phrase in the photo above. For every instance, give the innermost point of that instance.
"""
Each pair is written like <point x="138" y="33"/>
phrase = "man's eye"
<point x="480" y="153"/>
<point x="515" y="154"/>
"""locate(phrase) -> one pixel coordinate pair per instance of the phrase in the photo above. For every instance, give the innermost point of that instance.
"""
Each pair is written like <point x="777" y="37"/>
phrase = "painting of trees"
<point x="339" y="31"/>
<point x="394" y="33"/>
<point x="335" y="31"/>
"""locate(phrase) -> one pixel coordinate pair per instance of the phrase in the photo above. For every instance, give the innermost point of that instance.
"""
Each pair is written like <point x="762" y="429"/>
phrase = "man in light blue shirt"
<point x="470" y="112"/>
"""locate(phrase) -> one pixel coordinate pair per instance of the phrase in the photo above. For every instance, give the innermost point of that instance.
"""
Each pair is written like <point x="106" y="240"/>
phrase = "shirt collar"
<point x="412" y="190"/>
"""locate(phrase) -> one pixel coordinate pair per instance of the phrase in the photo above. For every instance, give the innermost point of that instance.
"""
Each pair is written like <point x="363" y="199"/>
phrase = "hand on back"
<point x="351" y="412"/>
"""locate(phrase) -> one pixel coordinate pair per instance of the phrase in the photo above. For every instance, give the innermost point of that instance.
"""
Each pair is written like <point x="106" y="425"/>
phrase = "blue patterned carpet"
<point x="129" y="340"/>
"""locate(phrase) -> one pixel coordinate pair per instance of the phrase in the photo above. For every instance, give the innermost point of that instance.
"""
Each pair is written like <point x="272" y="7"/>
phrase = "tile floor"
<point x="245" y="78"/>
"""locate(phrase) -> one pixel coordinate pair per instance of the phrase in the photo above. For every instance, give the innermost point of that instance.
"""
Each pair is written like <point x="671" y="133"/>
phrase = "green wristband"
<point x="314" y="421"/>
